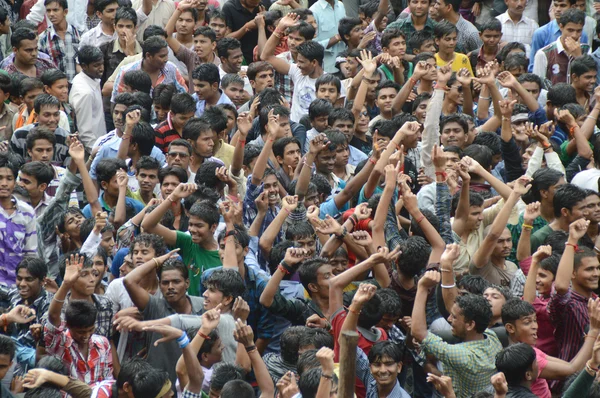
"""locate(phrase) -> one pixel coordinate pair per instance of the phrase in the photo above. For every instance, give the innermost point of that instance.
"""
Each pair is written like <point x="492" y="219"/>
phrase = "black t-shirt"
<point x="364" y="146"/>
<point x="236" y="16"/>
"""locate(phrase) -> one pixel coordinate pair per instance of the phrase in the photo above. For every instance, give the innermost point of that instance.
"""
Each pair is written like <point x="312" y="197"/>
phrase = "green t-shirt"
<point x="196" y="259"/>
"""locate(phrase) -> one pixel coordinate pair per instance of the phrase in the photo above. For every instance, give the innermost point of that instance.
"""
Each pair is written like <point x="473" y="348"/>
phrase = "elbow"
<point x="265" y="301"/>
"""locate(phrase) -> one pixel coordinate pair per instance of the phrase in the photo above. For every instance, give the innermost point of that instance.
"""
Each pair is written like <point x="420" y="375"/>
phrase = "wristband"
<point x="183" y="341"/>
<point x="442" y="173"/>
<point x="485" y="98"/>
<point x="445" y="270"/>
<point x="448" y="286"/>
<point x="283" y="270"/>
<point x="440" y="86"/>
<point x="57" y="300"/>
<point x="527" y="226"/>
<point x="572" y="132"/>
<point x="204" y="336"/>
<point x="421" y="219"/>
<point x="156" y="262"/>
<point x="413" y="81"/>
<point x="343" y="234"/>
<point x="353" y="219"/>
<point x="230" y="233"/>
<point x="250" y="348"/>
<point x="328" y="377"/>
<point x="575" y="247"/>
<point x="546" y="145"/>
<point x="597" y="249"/>
<point x="372" y="160"/>
<point x="286" y="266"/>
<point x="353" y="311"/>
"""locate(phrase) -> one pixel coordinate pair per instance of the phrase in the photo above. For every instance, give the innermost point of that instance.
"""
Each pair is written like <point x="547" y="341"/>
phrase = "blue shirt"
<point x="328" y="19"/>
<point x="356" y="156"/>
<point x="545" y="35"/>
<point x="201" y="104"/>
<point x="137" y="206"/>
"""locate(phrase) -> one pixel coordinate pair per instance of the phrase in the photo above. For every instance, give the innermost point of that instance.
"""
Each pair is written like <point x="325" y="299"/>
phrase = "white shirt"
<point x="540" y="62"/>
<point x="521" y="31"/>
<point x="587" y="179"/>
<point x="86" y="99"/>
<point x="76" y="16"/>
<point x="96" y="37"/>
<point x="304" y="93"/>
<point x="160" y="14"/>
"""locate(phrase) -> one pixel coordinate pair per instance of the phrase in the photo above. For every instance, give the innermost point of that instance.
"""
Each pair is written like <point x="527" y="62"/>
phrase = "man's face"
<point x="388" y="321"/>
<point x="560" y="6"/>
<point x="203" y="46"/>
<point x="372" y="82"/>
<point x="212" y="297"/>
<point x="28" y="52"/>
<point x="42" y="151"/>
<point x="475" y="218"/>
<point x="457" y="321"/>
<point x="178" y="155"/>
<point x="385" y="98"/>
<point x="291" y="156"/>
<point x="108" y="15"/>
<point x="325" y="161"/>
<point x="355" y="36"/>
<point x="204" y="89"/>
<point x="591" y="210"/>
<point x="421" y="111"/>
<point x="362" y="125"/>
<point x="200" y="230"/>
<point x="428" y="46"/>
<point x="219" y="27"/>
<point x="5" y="27"/>
<point x="543" y="282"/>
<point x="312" y="199"/>
<point x="233" y="62"/>
<point x="141" y="254"/>
<point x="126" y="267"/>
<point x="205" y="144"/>
<point x="180" y="119"/>
<point x="158" y="60"/>
<point x="328" y="92"/>
<point x="571" y="30"/>
<point x="118" y="113"/>
<point x="294" y="40"/>
<point x="271" y="189"/>
<point x="306" y="66"/>
<point x="576" y="212"/>
<point x="123" y="27"/>
<point x="345" y="126"/>
<point x="397" y="47"/>
<point x="324" y="274"/>
<point x="239" y="251"/>
<point x="496" y="300"/>
<point x="100" y="267"/>
<point x="173" y="285"/>
<point x="73" y="222"/>
<point x="503" y="245"/>
<point x="86" y="284"/>
<point x="49" y="116"/>
<point x="491" y="38"/>
<point x="453" y="134"/>
<point x="29" y="287"/>
<point x="185" y="23"/>
<point x="338" y="264"/>
<point x="147" y="179"/>
<point x="586" y="275"/>
<point x="263" y="79"/>
<point x="452" y="159"/>
<point x="516" y="7"/>
<point x="30" y="97"/>
<point x="59" y="89"/>
<point x="526" y="329"/>
<point x="169" y="184"/>
<point x="418" y="8"/>
<point x="385" y="371"/>
<point x="31" y="185"/>
<point x="108" y="242"/>
<point x="161" y="112"/>
<point x="532" y="88"/>
<point x="342" y="155"/>
<point x="7" y="183"/>
<point x="82" y="335"/>
<point x="56" y="14"/>
<point x="320" y="123"/>
<point x="235" y="92"/>
<point x="585" y="82"/>
<point x="447" y="43"/>
<point x="454" y="93"/>
<point x="95" y="70"/>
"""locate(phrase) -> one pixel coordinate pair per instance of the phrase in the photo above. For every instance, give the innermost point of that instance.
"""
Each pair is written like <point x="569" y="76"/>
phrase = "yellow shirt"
<point x="460" y="61"/>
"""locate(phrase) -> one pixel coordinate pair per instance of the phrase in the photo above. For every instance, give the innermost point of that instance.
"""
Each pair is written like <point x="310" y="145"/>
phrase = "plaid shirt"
<point x="469" y="364"/>
<point x="521" y="31"/>
<point x="92" y="22"/>
<point x="63" y="52"/>
<point x="407" y="27"/>
<point x="18" y="239"/>
<point x="283" y="82"/>
<point x="363" y="372"/>
<point x="188" y="394"/>
<point x="20" y="332"/>
<point x="96" y="367"/>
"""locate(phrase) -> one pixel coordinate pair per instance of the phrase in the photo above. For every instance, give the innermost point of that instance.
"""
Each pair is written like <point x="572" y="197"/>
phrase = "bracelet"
<point x="353" y="311"/>
<point x="505" y="119"/>
<point x="250" y="348"/>
<point x="353" y="219"/>
<point x="421" y="218"/>
<point x="597" y="249"/>
<point x="343" y="234"/>
<point x="441" y="173"/>
<point x="183" y="341"/>
<point x="527" y="226"/>
<point x="446" y="270"/>
<point x="372" y="160"/>
<point x="57" y="300"/>
<point x="448" y="286"/>
<point x="575" y="247"/>
<point x="286" y="266"/>
<point x="328" y="377"/>
<point x="588" y="335"/>
<point x="171" y="199"/>
<point x="282" y="269"/>
<point x="413" y="81"/>
<point x="156" y="262"/>
<point x="485" y="98"/>
<point x="204" y="336"/>
<point x="591" y="117"/>
<point x="312" y="166"/>
<point x="287" y="211"/>
<point x="588" y="366"/>
<point x="439" y="86"/>
<point x="546" y="145"/>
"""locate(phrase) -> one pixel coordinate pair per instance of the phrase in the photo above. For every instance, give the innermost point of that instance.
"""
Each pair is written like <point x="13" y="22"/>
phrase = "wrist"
<point x="571" y="241"/>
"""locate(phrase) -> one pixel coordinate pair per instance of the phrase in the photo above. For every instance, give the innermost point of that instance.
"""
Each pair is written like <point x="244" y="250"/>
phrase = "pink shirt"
<point x="540" y="386"/>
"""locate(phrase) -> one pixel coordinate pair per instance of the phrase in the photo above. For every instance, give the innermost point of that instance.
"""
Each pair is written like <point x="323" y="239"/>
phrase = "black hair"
<point x="224" y="372"/>
<point x="3" y="16"/>
<point x="256" y="67"/>
<point x="319" y="107"/>
<point x="389" y="35"/>
<point x="206" y="32"/>
<point x="340" y="114"/>
<point x="205" y="175"/>
<point x="154" y="30"/>
<point x="240" y="234"/>
<point x="444" y="28"/>
<point x="515" y="309"/>
<point x="143" y="103"/>
<point x="80" y="314"/>
<point x="481" y="154"/>
<point x="306" y="30"/>
<point x="316" y="337"/>
<point x="474" y="284"/>
<point x="290" y="343"/>
<point x="130" y="368"/>
<point x="385" y="128"/>
<point x="61" y="3"/>
<point x="51" y="76"/>
<point x="152" y="45"/>
<point x="454" y="118"/>
<point x="414" y="256"/>
<point x="567" y="196"/>
<point x="231" y="78"/>
<point x="369" y="8"/>
<point x="149" y="384"/>
<point x="151" y="241"/>
<point x="312" y="51"/>
<point x="20" y="34"/>
<point x="492" y="24"/>
<point x="29" y="84"/>
<point x="516" y="61"/>
<point x="583" y="252"/>
<point x="206" y="211"/>
<point x="251" y="152"/>
<point x="147" y="163"/>
<point x="388" y="84"/>
<point x="43" y="172"/>
<point x="514" y="361"/>
<point x="572" y="15"/>
<point x="193" y="128"/>
<point x="162" y="95"/>
<point x="269" y="96"/>
<point x="418" y="38"/>
<point x="477" y="309"/>
<point x="143" y="135"/>
<point x="561" y="94"/>
<point x="174" y="264"/>
<point x="280" y="144"/>
<point x="175" y="171"/>
<point x="216" y="118"/>
<point x="45" y="100"/>
<point x="207" y="73"/>
<point x="126" y="99"/>
<point x="550" y="264"/>
<point x="310" y="380"/>
<point x="308" y="271"/>
<point x="490" y="140"/>
<point x="138" y="80"/>
<point x="6" y="162"/>
<point x="43" y="391"/>
<point x="329" y="78"/>
<point x="391" y="304"/>
<point x="415" y="227"/>
<point x="127" y="14"/>
<point x="323" y="187"/>
<point x="306" y="361"/>
<point x="209" y="343"/>
<point x="182" y="103"/>
<point x="542" y="180"/>
<point x="89" y="54"/>
<point x="581" y="65"/>
<point x="419" y="99"/>
<point x="423" y="57"/>
<point x="299" y="230"/>
<point x="192" y="11"/>
<point x="531" y="78"/>
<point x="204" y="194"/>
<point x="371" y="314"/>
<point x="39" y="133"/>
<point x="346" y="25"/>
<point x="53" y="364"/>
<point x="65" y="213"/>
<point x="36" y="267"/>
<point x="237" y="388"/>
<point x="226" y="44"/>
<point x="557" y="240"/>
<point x="383" y="349"/>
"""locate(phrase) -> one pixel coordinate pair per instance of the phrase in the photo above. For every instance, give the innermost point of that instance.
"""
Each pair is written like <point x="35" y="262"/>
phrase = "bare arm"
<point x="462" y="209"/>
<point x="449" y="290"/>
<point x="419" y="323"/>
<point x="268" y="53"/>
<point x="140" y="296"/>
<point x="564" y="273"/>
<point x="170" y="28"/>
<point x="77" y="151"/>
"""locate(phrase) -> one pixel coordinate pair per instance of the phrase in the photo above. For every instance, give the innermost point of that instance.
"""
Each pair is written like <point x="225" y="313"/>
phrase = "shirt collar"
<point x="554" y="26"/>
<point x="53" y="33"/>
<point x="324" y="4"/>
<point x="559" y="46"/>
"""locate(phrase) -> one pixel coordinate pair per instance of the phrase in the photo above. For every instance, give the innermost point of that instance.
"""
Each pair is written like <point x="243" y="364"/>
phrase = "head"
<point x="592" y="206"/>
<point x="8" y="175"/>
<point x="351" y="31"/>
<point x="187" y="21"/>
<point x="583" y="73"/>
<point x="206" y="82"/>
<point x="420" y="41"/>
<point x="518" y="363"/>
<point x="223" y="286"/>
<point x="314" y="275"/>
<point x="40" y="145"/>
<point x="125" y="22"/>
<point x="261" y="75"/>
<point x="211" y="351"/>
<point x="31" y="273"/>
<point x="393" y="42"/>
<point x="288" y="152"/>
<point x="80" y="317"/>
<point x="569" y="202"/>
<point x="520" y="321"/>
<point x="445" y="34"/>
<point x="298" y="34"/>
<point x="129" y="369"/>
<point x="419" y="8"/>
<point x="328" y="87"/>
<point x="91" y="61"/>
<point x="303" y="235"/>
<point x="145" y="247"/>
<point x="230" y="53"/>
<point x="385" y="363"/>
<point x="146" y="172"/>
<point x="35" y="177"/>
<point x="490" y="31"/>
<point x="453" y="129"/>
<point x="205" y="42"/>
<point x="284" y="129"/>
<point x="386" y="92"/>
<point x="414" y="257"/>
<point x="309" y="383"/>
<point x="391" y="306"/>
<point x="419" y="107"/>
<point x="161" y="100"/>
<point x="216" y="118"/>
<point x="47" y="108"/>
<point x="218" y="24"/>
<point x="559" y="95"/>
<point x="155" y="52"/>
<point x="200" y="136"/>
<point x="470" y="316"/>
<point x="318" y="113"/>
<point x="571" y="24"/>
<point x="203" y="221"/>
<point x="586" y="270"/>
<point x="241" y="239"/>
<point x="56" y="84"/>
<point x="532" y="83"/>
<point x="56" y="11"/>
<point x="366" y="12"/>
<point x="24" y="44"/>
<point x="342" y="119"/>
<point x="310" y="57"/>
<point x="173" y="279"/>
<point x="238" y="388"/>
<point x="232" y="85"/>
<point x="7" y="353"/>
<point x="170" y="177"/>
<point x="153" y="383"/>
<point x="122" y="102"/>
<point x="223" y="372"/>
<point x="183" y="107"/>
<point x="339" y="261"/>
<point x="496" y="296"/>
<point x="492" y="142"/>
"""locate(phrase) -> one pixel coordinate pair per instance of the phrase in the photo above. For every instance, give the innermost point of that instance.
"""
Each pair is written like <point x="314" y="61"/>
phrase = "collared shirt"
<point x="356" y="156"/>
<point x="556" y="55"/>
<point x="18" y="143"/>
<point x="92" y="22"/>
<point x="137" y="206"/>
<point x="201" y="104"/>
<point x="569" y="313"/>
<point x="247" y="85"/>
<point x="96" y="37"/>
<point x="259" y="318"/>
<point x="363" y="372"/>
<point x="328" y="19"/>
<point x="236" y="16"/>
<point x="168" y="75"/>
<point x="63" y="52"/>
<point x="283" y="83"/>
<point x="296" y="310"/>
<point x="521" y="31"/>
<point x="41" y="65"/>
<point x="98" y="364"/>
<point x="468" y="36"/>
<point x="113" y="56"/>
<point x="10" y="59"/>
<point x="476" y="59"/>
<point x="470" y="364"/>
<point x="546" y="35"/>
<point x="407" y="27"/>
<point x="6" y="117"/>
<point x="86" y="98"/>
<point x="18" y="238"/>
<point x="165" y="133"/>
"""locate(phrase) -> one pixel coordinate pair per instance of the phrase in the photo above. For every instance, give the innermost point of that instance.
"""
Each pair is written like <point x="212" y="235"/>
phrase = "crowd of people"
<point x="207" y="198"/>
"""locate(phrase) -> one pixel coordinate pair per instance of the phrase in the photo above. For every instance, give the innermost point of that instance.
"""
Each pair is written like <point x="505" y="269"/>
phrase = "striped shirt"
<point x="18" y="238"/>
<point x="63" y="52"/>
<point x="165" y="133"/>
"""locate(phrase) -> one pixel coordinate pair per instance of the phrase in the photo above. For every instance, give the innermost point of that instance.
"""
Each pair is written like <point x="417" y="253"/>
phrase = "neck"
<point x="147" y="68"/>
<point x="318" y="71"/>
<point x="146" y="196"/>
<point x="387" y="115"/>
<point x="446" y="55"/>
<point x="490" y="50"/>
<point x="77" y="296"/>
<point x="452" y="17"/>
<point x="340" y="171"/>
<point x="118" y="132"/>
<point x="361" y="135"/>
<point x="385" y="391"/>
<point x="418" y="21"/>
<point x="36" y="201"/>
<point x="322" y="303"/>
<point x="182" y="306"/>
<point x="474" y="336"/>
<point x="6" y="203"/>
<point x="581" y="290"/>
<point x="209" y="59"/>
<point x="560" y="223"/>
<point x="515" y="17"/>
<point x="108" y="28"/>
<point x="195" y="162"/>
<point x="592" y="230"/>
<point x="425" y="86"/>
<point x="61" y="27"/>
<point x="448" y="107"/>
<point x="109" y="200"/>
<point x="498" y="261"/>
<point x="20" y="66"/>
<point x="210" y="244"/>
<point x="184" y="38"/>
<point x="213" y="100"/>
<point x="150" y="282"/>
<point x="134" y="158"/>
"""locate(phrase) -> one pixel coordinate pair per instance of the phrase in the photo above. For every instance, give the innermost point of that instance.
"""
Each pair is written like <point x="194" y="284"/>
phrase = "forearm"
<point x="506" y="129"/>
<point x="584" y="354"/>
<point x="124" y="145"/>
<point x="262" y="40"/>
<point x="500" y="187"/>
<point x="194" y="370"/>
<point x="467" y="100"/>
<point x="269" y="48"/>
<point x="419" y="323"/>
<point x="263" y="378"/>
<point x="529" y="290"/>
<point x="450" y="292"/>
<point x="431" y="234"/>
<point x="91" y="193"/>
<point x="351" y="321"/>
<point x="270" y="234"/>
<point x="527" y="98"/>
<point x="359" y="99"/>
<point x="483" y="106"/>
<point x="230" y="257"/>
<point x="524" y="246"/>
<point x="431" y="130"/>
<point x="238" y="156"/>
<point x="120" y="208"/>
<point x="342" y="280"/>
<point x="238" y="34"/>
<point x="261" y="162"/>
<point x="194" y="348"/>
<point x="152" y="219"/>
<point x="76" y="388"/>
<point x="55" y="308"/>
<point x="581" y="142"/>
<point x="402" y="96"/>
<point x="565" y="268"/>
<point x="269" y="292"/>
<point x="170" y="28"/>
<point x="257" y="223"/>
<point x="378" y="230"/>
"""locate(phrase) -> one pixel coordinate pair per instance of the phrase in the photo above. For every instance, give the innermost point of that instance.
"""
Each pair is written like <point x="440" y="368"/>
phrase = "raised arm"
<point x="244" y="123"/>
<point x="419" y="322"/>
<point x="73" y="267"/>
<point x="500" y="187"/>
<point x="465" y="77"/>
<point x="577" y="230"/>
<point x="244" y="335"/>
<point x="378" y="230"/>
<point x="175" y="45"/>
<point x="289" y="265"/>
<point x="288" y="205"/>
<point x="529" y="290"/>
<point x="366" y="60"/>
<point x="228" y="210"/>
<point x="462" y="209"/>
<point x="325" y="356"/>
<point x="121" y="207"/>
<point x="449" y="290"/>
<point x="422" y="68"/>
<point x="532" y="211"/>
<point x="579" y="140"/>
<point x="268" y="53"/>
<point x="509" y="81"/>
<point x="364" y="293"/>
<point x="131" y="120"/>
<point x="316" y="145"/>
<point x="261" y="162"/>
<point x="588" y="127"/>
<point x="77" y="153"/>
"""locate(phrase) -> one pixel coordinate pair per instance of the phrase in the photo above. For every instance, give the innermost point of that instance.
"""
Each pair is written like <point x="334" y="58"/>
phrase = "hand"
<point x="132" y="312"/>
<point x="226" y="211"/>
<point x="472" y="165"/>
<point x="522" y="185"/>
<point x="499" y="383"/>
<point x="430" y="279"/>
<point x="130" y="41"/>
<point x="325" y="356"/>
<point x="293" y="256"/>
<point x="368" y="63"/>
<point x="133" y="118"/>
<point x="391" y="174"/>
<point x="73" y="266"/>
<point x="259" y="20"/>
<point x="384" y="255"/>
<point x="100" y="221"/>
<point x="421" y="69"/>
<point x="506" y="79"/>
<point x="154" y="202"/>
<point x="573" y="47"/>
<point x="330" y="227"/>
<point x="596" y="350"/>
<point x="77" y="151"/>
<point x="240" y="309"/>
<point x="541" y="253"/>
<point x="287" y="386"/>
<point x="168" y="332"/>
<point x="223" y="175"/>
<point x="368" y="38"/>
<point x="533" y="132"/>
<point x="452" y="181"/>
<point x="594" y="315"/>
<point x="250" y="25"/>
<point x="318" y="143"/>
<point x="547" y="129"/>
<point x="244" y="121"/>
<point x="273" y="126"/>
<point x="364" y="293"/>
<point x="36" y="331"/>
<point x="438" y="158"/>
<point x="290" y="19"/>
<point x="362" y="238"/>
<point x="464" y="77"/>
<point x="506" y="107"/>
<point x="243" y="333"/>
<point x="16" y="386"/>
<point x="485" y="76"/>
<point x="183" y="190"/>
<point x="463" y="171"/>
<point x="532" y="211"/>
<point x="211" y="318"/>
<point x="450" y="255"/>
<point x="397" y="159"/>
<point x="444" y="73"/>
<point x="410" y="128"/>
<point x="36" y="378"/>
<point x="185" y="5"/>
<point x="312" y="213"/>
<point x="122" y="179"/>
<point x="410" y="201"/>
<point x="128" y="323"/>
<point x="20" y="314"/>
<point x="315" y="321"/>
<point x="290" y="203"/>
<point x="476" y="9"/>
<point x="565" y="117"/>
<point x="578" y="229"/>
<point x="262" y="202"/>
<point x="443" y="384"/>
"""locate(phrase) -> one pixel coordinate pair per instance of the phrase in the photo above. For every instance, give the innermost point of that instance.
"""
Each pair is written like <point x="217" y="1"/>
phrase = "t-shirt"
<point x="304" y="93"/>
<point x="587" y="179"/>
<point x="545" y="341"/>
<point x="196" y="259"/>
<point x="540" y="386"/>
<point x="539" y="237"/>
<point x="494" y="274"/>
<point x="460" y="61"/>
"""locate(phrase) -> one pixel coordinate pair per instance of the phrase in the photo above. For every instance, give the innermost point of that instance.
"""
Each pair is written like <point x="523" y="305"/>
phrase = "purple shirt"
<point x="18" y="238"/>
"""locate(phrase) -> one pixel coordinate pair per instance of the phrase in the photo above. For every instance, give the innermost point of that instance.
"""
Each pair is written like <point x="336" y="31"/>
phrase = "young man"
<point x="57" y="85"/>
<point x="287" y="152"/>
<point x="179" y="155"/>
<point x="421" y="42"/>
<point x="26" y="60"/>
<point x="60" y="34"/>
<point x="515" y="26"/>
<point x="207" y="93"/>
<point x="491" y="34"/>
<point x="395" y="68"/>
<point x="6" y="113"/>
<point x="35" y="177"/>
<point x="342" y="119"/>
<point x="351" y="32"/>
<point x="261" y="76"/>
<point x="86" y="96"/>
<point x="445" y="34"/>
<point x="19" y="233"/>
<point x="183" y="107"/>
<point x="385" y="94"/>
<point x="231" y="55"/>
<point x="467" y="34"/>
<point x="583" y="79"/>
<point x="146" y="173"/>
<point x="233" y="86"/>
<point x="575" y="283"/>
<point x="104" y="32"/>
<point x="519" y="366"/>
<point x="318" y="114"/>
<point x="418" y="21"/>
<point x="553" y="61"/>
<point x="202" y="139"/>
<point x="470" y="363"/>
<point x="87" y="326"/>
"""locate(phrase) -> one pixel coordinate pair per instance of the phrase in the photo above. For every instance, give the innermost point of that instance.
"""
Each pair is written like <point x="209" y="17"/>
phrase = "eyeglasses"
<point x="458" y="88"/>
<point x="182" y="155"/>
<point x="364" y="114"/>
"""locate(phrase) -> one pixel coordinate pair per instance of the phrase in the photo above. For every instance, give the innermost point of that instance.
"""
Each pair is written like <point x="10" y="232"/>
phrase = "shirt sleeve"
<point x="431" y="131"/>
<point x="363" y="368"/>
<point x="453" y="355"/>
<point x="558" y="305"/>
<point x="288" y="309"/>
<point x="37" y="12"/>
<point x="540" y="64"/>
<point x="90" y="246"/>
<point x="31" y="241"/>
<point x="56" y="338"/>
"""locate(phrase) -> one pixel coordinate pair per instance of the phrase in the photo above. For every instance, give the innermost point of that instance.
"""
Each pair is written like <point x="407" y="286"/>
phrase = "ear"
<point x="253" y="83"/>
<point x="564" y="212"/>
<point x="544" y="193"/>
<point x="510" y="328"/>
<point x="470" y="326"/>
<point x="227" y="301"/>
<point x="104" y="185"/>
<point x="245" y="251"/>
<point x="437" y="42"/>
<point x="29" y="153"/>
<point x="279" y="159"/>
<point x="213" y="45"/>
<point x="98" y="14"/>
<point x="215" y="87"/>
<point x="42" y="187"/>
<point x="313" y="288"/>
<point x="46" y="89"/>
<point x="213" y="228"/>
<point x="126" y="387"/>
